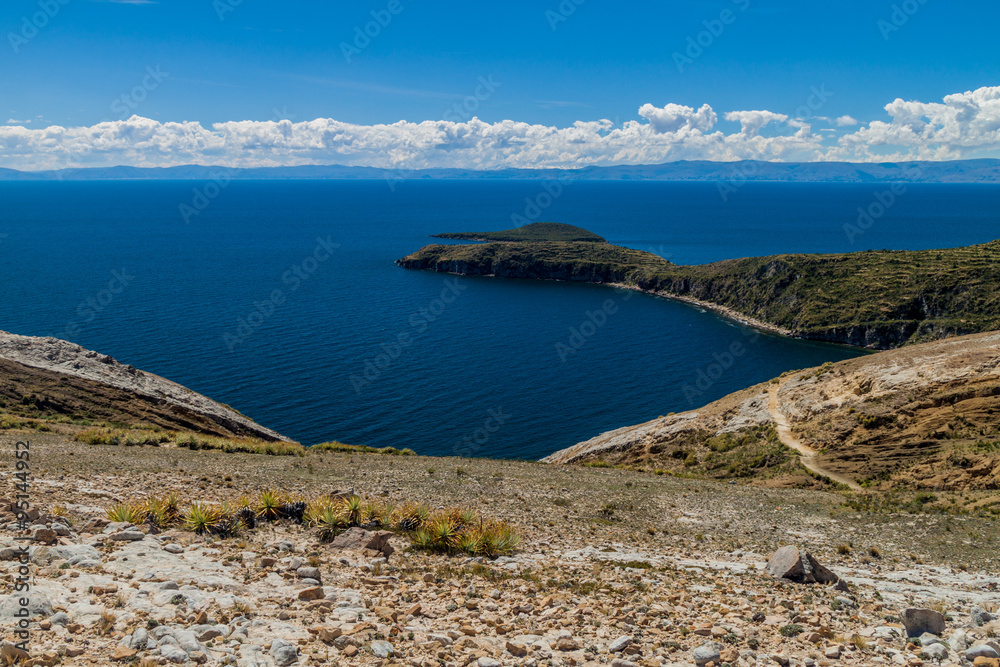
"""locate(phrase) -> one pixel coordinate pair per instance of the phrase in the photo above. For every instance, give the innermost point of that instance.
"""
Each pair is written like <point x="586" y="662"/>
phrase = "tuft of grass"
<point x="242" y="445"/>
<point x="335" y="446"/>
<point x="106" y="623"/>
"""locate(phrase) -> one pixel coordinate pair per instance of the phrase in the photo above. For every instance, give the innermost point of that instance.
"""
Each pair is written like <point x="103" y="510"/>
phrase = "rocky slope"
<point x="617" y="568"/>
<point x="926" y="416"/>
<point x="52" y="377"/>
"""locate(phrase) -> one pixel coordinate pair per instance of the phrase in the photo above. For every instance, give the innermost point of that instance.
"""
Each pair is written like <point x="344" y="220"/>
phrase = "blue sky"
<point x="553" y="64"/>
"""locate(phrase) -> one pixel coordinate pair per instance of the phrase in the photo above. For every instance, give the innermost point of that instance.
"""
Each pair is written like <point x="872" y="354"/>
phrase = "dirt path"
<point x="807" y="454"/>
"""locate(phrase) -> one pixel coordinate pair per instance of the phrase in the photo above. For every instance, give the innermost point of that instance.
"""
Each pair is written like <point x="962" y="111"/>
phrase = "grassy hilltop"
<point x="875" y="299"/>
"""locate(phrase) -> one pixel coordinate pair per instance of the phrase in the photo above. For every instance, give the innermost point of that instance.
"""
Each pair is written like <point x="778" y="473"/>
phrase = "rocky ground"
<point x="616" y="567"/>
<point x="921" y="418"/>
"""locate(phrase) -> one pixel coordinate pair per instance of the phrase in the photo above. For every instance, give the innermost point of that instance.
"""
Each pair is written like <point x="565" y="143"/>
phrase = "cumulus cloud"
<point x="843" y="121"/>
<point x="961" y="125"/>
<point x="751" y="122"/>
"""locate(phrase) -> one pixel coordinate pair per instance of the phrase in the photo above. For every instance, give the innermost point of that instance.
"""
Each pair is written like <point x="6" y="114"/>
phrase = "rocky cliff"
<point x="56" y="377"/>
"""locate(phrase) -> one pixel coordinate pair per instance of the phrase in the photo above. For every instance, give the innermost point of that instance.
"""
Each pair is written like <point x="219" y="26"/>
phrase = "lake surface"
<point x="281" y="297"/>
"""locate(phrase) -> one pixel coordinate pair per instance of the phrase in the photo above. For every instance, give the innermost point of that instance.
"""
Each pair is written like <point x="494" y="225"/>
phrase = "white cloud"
<point x="962" y="125"/>
<point x="751" y="122"/>
<point x="844" y="121"/>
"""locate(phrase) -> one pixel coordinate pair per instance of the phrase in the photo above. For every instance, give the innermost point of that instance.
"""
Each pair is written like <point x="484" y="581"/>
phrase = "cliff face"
<point x="63" y="378"/>
<point x="877" y="300"/>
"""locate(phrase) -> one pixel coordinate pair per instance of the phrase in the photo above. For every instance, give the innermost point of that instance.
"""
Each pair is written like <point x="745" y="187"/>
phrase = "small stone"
<point x="517" y="649"/>
<point x="620" y="662"/>
<point x="620" y="644"/>
<point x="127" y="536"/>
<point x="350" y="650"/>
<point x="381" y="649"/>
<point x="707" y="653"/>
<point x="981" y="651"/>
<point x="486" y="661"/>
<point x="414" y="610"/>
<point x="283" y="653"/>
<point x="311" y="593"/>
<point x="832" y="652"/>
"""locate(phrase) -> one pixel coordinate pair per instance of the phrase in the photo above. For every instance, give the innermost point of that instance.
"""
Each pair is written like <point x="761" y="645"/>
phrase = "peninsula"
<point x="874" y="299"/>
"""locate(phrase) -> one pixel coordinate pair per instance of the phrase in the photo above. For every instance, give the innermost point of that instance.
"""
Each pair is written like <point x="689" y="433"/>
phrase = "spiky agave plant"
<point x="155" y="513"/>
<point x="497" y="538"/>
<point x="352" y="508"/>
<point x="229" y="524"/>
<point x="383" y="514"/>
<point x="422" y="539"/>
<point x="467" y="518"/>
<point x="469" y="541"/>
<point x="171" y="504"/>
<point x="329" y="521"/>
<point x="412" y="516"/>
<point x="444" y="531"/>
<point x="269" y="504"/>
<point x="202" y="518"/>
<point x="126" y="513"/>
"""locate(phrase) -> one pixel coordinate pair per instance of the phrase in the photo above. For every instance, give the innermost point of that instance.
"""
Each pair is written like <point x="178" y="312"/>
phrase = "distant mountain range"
<point x="958" y="171"/>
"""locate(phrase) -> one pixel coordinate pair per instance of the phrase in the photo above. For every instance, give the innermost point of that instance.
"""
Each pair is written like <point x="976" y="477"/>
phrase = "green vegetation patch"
<point x="876" y="299"/>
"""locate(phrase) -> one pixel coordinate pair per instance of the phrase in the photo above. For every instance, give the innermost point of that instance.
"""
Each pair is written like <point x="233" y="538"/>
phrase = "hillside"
<point x="727" y="174"/>
<point x="46" y="380"/>
<point x="922" y="417"/>
<point x="873" y="299"/>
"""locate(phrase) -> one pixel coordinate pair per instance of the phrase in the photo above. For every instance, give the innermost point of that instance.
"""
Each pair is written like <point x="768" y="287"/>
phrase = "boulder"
<point x="707" y="653"/>
<point x="359" y="539"/>
<point x="919" y="621"/>
<point x="283" y="653"/>
<point x="798" y="565"/>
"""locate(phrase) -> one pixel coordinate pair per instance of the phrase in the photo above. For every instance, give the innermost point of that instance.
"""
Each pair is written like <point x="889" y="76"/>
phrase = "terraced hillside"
<point x="874" y="299"/>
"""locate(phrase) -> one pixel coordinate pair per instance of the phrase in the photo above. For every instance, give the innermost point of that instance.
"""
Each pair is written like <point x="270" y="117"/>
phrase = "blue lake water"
<point x="478" y="370"/>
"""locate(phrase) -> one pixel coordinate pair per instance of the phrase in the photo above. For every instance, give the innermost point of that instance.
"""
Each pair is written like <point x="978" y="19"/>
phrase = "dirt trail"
<point x="807" y="454"/>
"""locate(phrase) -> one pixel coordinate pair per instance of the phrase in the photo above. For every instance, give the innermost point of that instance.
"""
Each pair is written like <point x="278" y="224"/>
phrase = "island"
<point x="873" y="299"/>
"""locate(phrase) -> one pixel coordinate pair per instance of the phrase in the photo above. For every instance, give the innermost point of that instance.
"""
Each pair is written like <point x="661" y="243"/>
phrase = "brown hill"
<point x="921" y="417"/>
